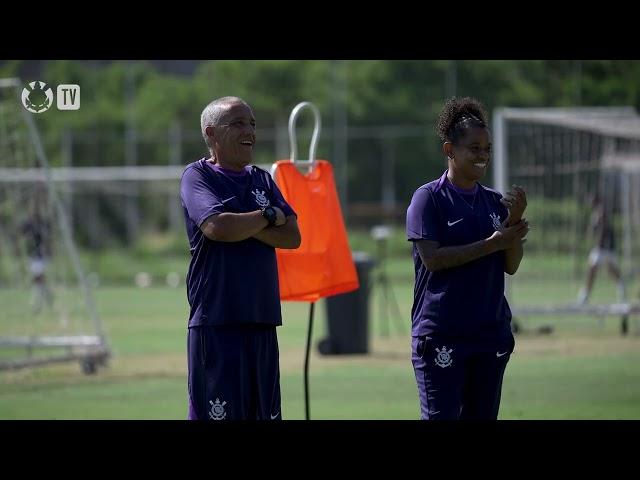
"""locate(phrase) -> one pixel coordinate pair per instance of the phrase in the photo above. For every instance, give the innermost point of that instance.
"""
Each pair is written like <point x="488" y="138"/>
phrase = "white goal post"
<point x="49" y="314"/>
<point x="562" y="157"/>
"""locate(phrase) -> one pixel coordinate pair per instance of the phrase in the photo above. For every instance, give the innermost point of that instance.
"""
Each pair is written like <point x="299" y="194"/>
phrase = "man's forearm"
<point x="233" y="227"/>
<point x="449" y="257"/>
<point x="284" y="236"/>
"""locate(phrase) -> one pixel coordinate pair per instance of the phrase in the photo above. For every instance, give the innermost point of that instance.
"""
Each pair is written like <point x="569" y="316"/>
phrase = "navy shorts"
<point x="233" y="372"/>
<point x="459" y="381"/>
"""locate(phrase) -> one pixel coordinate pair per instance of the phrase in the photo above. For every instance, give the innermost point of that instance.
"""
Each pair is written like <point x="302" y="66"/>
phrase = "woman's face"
<point x="471" y="155"/>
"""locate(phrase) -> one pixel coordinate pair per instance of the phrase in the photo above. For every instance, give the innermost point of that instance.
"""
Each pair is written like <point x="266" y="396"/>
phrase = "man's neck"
<point x="226" y="165"/>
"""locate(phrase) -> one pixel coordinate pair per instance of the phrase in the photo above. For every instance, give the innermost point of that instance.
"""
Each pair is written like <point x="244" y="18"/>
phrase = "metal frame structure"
<point x="614" y="122"/>
<point x="90" y="350"/>
<point x="310" y="164"/>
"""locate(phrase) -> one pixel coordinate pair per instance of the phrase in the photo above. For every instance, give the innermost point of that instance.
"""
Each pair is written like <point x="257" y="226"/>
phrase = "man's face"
<point x="472" y="153"/>
<point x="235" y="136"/>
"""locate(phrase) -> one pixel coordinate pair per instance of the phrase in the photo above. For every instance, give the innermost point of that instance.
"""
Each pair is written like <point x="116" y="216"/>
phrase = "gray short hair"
<point x="213" y="112"/>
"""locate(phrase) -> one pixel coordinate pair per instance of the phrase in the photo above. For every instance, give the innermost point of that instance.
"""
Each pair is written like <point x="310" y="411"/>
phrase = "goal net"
<point x="580" y="168"/>
<point x="47" y="313"/>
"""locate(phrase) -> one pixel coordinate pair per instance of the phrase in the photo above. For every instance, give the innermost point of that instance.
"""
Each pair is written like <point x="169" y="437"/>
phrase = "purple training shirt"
<point x="229" y="282"/>
<point x="465" y="302"/>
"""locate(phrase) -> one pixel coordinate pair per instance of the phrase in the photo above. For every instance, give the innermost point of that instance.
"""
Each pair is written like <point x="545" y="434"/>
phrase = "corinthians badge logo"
<point x="37" y="97"/>
<point x="496" y="222"/>
<point x="261" y="199"/>
<point x="217" y="410"/>
<point x="443" y="358"/>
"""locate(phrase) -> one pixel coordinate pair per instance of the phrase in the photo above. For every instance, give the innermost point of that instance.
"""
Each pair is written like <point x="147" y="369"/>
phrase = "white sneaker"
<point x="582" y="297"/>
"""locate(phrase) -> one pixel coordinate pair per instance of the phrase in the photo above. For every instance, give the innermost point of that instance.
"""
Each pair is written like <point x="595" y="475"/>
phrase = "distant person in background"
<point x="465" y="237"/>
<point x="235" y="218"/>
<point x="604" y="250"/>
<point x="36" y="231"/>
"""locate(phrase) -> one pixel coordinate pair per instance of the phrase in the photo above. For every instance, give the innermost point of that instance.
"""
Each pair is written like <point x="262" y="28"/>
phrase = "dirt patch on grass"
<point x="383" y="352"/>
<point x="118" y="368"/>
<point x="396" y="351"/>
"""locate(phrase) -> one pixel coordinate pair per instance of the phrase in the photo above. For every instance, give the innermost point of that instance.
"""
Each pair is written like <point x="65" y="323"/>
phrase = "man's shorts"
<point x="234" y="372"/>
<point x="38" y="266"/>
<point x="600" y="256"/>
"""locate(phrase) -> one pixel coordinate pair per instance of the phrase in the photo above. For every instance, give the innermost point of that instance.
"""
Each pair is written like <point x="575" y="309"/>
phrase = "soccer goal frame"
<point x="91" y="350"/>
<point x="613" y="126"/>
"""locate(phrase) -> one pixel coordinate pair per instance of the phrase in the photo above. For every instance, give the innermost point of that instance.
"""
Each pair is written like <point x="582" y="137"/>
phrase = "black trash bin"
<point x="348" y="314"/>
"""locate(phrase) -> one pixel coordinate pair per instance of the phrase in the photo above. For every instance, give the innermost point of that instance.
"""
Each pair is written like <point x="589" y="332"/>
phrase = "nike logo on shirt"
<point x="498" y="354"/>
<point x="453" y="223"/>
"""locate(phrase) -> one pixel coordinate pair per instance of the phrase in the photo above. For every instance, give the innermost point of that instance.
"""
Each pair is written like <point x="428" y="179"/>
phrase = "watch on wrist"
<point x="270" y="214"/>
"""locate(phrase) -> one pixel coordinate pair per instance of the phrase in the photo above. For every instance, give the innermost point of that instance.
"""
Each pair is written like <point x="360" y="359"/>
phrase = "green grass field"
<point x="584" y="370"/>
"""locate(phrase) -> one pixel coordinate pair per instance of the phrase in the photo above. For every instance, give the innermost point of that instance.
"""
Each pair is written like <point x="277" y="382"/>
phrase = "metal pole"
<point x="306" y="363"/>
<point x="132" y="214"/>
<point x="67" y="159"/>
<point x="175" y="158"/>
<point x="500" y="167"/>
<point x="65" y="228"/>
<point x="499" y="150"/>
<point x="388" y="179"/>
<point x="625" y="269"/>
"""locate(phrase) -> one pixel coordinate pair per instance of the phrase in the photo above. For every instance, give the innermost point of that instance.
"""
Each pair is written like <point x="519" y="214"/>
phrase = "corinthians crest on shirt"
<point x="260" y="197"/>
<point x="495" y="219"/>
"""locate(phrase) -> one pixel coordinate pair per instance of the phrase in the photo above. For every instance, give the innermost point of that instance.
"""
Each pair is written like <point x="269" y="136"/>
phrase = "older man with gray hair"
<point x="235" y="218"/>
